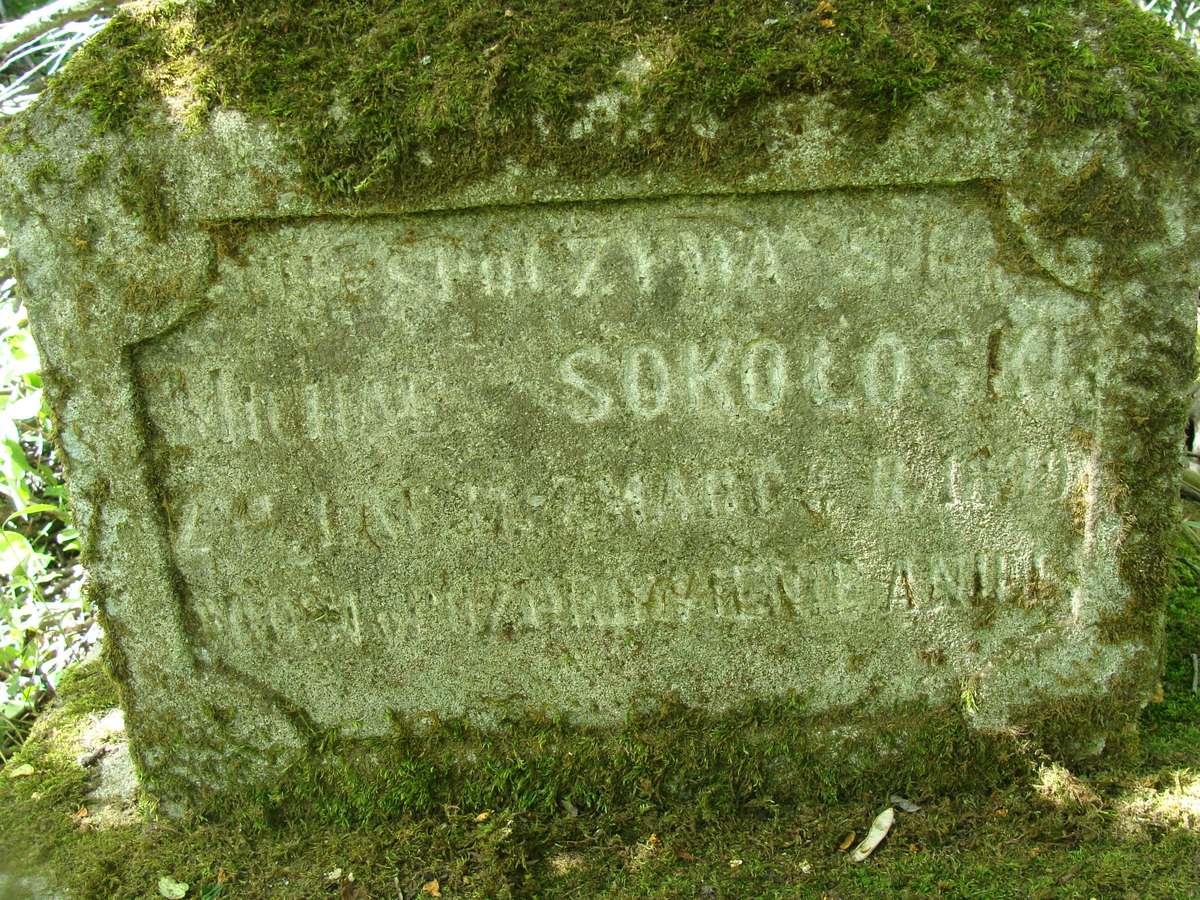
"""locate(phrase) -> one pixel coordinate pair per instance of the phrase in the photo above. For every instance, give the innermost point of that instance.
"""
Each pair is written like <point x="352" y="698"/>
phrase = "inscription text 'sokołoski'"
<point x="701" y="415"/>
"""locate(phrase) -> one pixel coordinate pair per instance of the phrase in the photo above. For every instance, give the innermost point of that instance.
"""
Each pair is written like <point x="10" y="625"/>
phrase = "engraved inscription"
<point x="642" y="500"/>
<point x="651" y="380"/>
<point x="744" y="593"/>
<point x="335" y="410"/>
<point x="599" y="265"/>
<point x="762" y="375"/>
<point x="478" y="442"/>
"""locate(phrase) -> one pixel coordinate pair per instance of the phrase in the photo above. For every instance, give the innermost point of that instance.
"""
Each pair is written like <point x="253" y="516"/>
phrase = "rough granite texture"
<point x="875" y="425"/>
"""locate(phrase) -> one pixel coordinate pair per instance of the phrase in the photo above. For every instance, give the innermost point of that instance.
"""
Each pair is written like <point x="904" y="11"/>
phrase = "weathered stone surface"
<point x="111" y="799"/>
<point x="874" y="426"/>
<point x="571" y="456"/>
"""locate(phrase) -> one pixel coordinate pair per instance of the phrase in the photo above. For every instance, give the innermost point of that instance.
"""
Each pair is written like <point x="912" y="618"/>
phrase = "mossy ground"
<point x="1125" y="827"/>
<point x="365" y="90"/>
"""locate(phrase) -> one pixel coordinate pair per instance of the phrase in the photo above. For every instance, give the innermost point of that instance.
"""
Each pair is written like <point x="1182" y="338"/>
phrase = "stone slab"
<point x="857" y="427"/>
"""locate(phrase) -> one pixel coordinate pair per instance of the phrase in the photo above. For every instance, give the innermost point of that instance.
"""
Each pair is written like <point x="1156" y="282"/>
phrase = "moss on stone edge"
<point x="366" y="89"/>
<point x="672" y="757"/>
<point x="268" y="851"/>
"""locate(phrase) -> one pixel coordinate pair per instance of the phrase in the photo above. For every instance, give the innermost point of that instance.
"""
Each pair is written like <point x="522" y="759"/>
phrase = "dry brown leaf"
<point x="484" y="816"/>
<point x="685" y="856"/>
<point x="847" y="841"/>
<point x="828" y="23"/>
<point x="432" y="888"/>
<point x="222" y="876"/>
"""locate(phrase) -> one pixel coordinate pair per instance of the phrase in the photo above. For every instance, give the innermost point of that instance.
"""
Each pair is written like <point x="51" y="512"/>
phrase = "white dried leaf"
<point x="903" y="805"/>
<point x="879" y="830"/>
<point x="172" y="889"/>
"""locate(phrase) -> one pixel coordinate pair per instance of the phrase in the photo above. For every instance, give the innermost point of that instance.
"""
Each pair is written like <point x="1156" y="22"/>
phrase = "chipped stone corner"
<point x="112" y="800"/>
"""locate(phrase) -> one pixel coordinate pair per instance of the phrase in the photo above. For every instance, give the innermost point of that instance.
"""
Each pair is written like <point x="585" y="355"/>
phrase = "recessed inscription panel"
<point x="578" y="456"/>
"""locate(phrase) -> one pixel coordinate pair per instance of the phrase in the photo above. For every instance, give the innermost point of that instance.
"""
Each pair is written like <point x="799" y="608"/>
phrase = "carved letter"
<point x="646" y="401"/>
<point x="762" y="264"/>
<point x="571" y="375"/>
<point x="764" y="375"/>
<point x="885" y="387"/>
<point x="710" y="379"/>
<point x="817" y="377"/>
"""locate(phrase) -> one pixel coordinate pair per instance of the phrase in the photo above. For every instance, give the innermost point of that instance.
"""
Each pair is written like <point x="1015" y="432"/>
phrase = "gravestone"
<point x="886" y="418"/>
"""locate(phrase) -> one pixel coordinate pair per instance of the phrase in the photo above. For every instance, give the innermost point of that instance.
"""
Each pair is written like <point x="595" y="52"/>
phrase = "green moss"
<point x="144" y="194"/>
<point x="228" y="239"/>
<point x="86" y="688"/>
<point x="92" y="168"/>
<point x="364" y="89"/>
<point x="1100" y="206"/>
<point x="42" y="173"/>
<point x="669" y="812"/>
<point x="773" y="752"/>
<point x="1141" y="410"/>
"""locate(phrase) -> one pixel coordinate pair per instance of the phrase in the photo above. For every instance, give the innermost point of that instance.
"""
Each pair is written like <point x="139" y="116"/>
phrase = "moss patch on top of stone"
<point x="367" y="90"/>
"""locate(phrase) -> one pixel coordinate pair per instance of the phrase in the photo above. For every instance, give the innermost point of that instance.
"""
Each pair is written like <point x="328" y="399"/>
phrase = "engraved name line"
<point x="727" y="256"/>
<point x="637" y="498"/>
<point x="757" y="377"/>
<point x="761" y="590"/>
